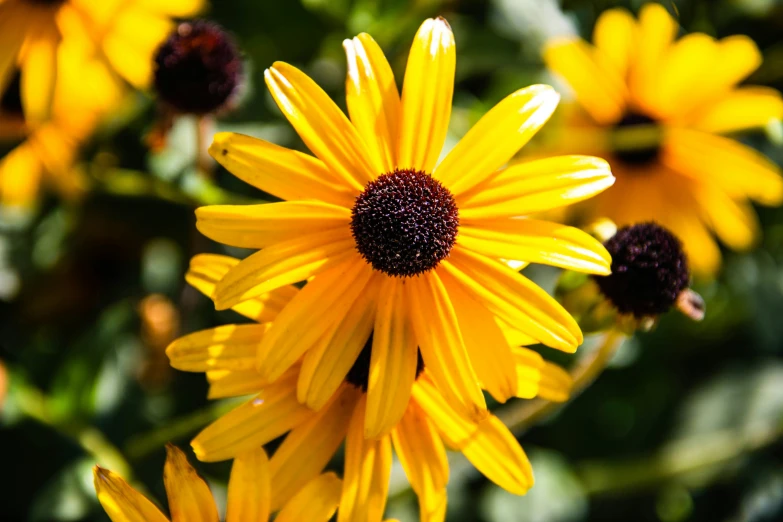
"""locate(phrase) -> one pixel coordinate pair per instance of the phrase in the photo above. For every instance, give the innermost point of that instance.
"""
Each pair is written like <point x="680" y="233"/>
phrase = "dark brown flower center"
<point x="197" y="68"/>
<point x="649" y="270"/>
<point x="635" y="139"/>
<point x="404" y="223"/>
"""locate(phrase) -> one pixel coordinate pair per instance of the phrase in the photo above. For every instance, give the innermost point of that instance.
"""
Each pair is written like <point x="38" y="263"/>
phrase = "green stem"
<point x="523" y="415"/>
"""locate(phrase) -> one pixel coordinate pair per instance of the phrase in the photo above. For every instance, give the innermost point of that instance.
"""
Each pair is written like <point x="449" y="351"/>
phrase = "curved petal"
<point x="536" y="186"/>
<point x="249" y="488"/>
<point x="282" y="172"/>
<point x="121" y="502"/>
<point x="284" y="263"/>
<point x="742" y="109"/>
<point x="206" y="270"/>
<point x="321" y="125"/>
<point x="372" y="99"/>
<point x="489" y="352"/>
<point x="260" y="226"/>
<point x="229" y="383"/>
<point x="600" y="90"/>
<point x="734" y="222"/>
<point x="556" y="383"/>
<point x="536" y="241"/>
<point x="422" y="455"/>
<point x="309" y="447"/>
<point x="487" y="444"/>
<point x="442" y="346"/>
<point x="316" y="502"/>
<point x="514" y="299"/>
<point x="392" y="363"/>
<point x="228" y="347"/>
<point x="260" y="420"/>
<point x="325" y="366"/>
<point x="738" y="169"/>
<point x="316" y="311"/>
<point x="615" y="36"/>
<point x="366" y="475"/>
<point x="426" y="96"/>
<point x="497" y="136"/>
<point x="657" y="30"/>
<point x="189" y="497"/>
<point x="39" y="71"/>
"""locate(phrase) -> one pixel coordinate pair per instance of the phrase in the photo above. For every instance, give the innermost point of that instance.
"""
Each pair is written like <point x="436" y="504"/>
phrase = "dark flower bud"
<point x="198" y="68"/>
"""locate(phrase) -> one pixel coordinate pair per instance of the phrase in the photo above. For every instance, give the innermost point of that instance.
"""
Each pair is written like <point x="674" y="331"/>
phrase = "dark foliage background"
<point x="684" y="426"/>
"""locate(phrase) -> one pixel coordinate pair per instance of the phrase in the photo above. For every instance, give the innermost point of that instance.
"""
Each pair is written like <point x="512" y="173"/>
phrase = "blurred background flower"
<point x="684" y="423"/>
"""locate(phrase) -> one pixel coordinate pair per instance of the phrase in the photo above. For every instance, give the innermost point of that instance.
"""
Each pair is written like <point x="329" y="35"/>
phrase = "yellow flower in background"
<point x="190" y="500"/>
<point x="657" y="109"/>
<point x="47" y="153"/>
<point x="228" y="355"/>
<point x="395" y="248"/>
<point x="126" y="33"/>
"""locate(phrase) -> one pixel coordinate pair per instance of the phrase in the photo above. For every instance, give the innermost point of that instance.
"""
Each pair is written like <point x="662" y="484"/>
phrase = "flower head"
<point x="427" y="426"/>
<point x="658" y="108"/>
<point x="198" y="68"/>
<point x="401" y="253"/>
<point x="249" y="494"/>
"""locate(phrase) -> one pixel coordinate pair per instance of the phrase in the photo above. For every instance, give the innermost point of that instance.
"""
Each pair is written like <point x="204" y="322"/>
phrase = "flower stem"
<point x="522" y="417"/>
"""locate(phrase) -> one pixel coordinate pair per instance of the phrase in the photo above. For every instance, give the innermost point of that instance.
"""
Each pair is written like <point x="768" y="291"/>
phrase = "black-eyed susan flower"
<point x="658" y="109"/>
<point x="47" y="153"/>
<point x="427" y="426"/>
<point x="125" y="33"/>
<point x="400" y="250"/>
<point x="190" y="500"/>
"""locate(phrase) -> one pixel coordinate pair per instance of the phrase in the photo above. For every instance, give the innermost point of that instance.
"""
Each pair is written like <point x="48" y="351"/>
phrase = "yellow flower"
<point x="657" y="108"/>
<point x="228" y="355"/>
<point x="249" y="494"/>
<point x="397" y="249"/>
<point x="48" y="151"/>
<point x="126" y="33"/>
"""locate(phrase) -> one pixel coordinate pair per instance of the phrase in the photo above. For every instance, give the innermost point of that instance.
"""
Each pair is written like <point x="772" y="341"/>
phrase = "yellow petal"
<point x="393" y="361"/>
<point x="366" y="473"/>
<point x="20" y="176"/>
<point x="536" y="186"/>
<point x="121" y="502"/>
<point x="657" y="30"/>
<point x="529" y="367"/>
<point x="741" y="109"/>
<point x="536" y="241"/>
<point x="497" y="137"/>
<point x="487" y="444"/>
<point x="513" y="335"/>
<point x="733" y="221"/>
<point x="514" y="299"/>
<point x="615" y="38"/>
<point x="260" y="226"/>
<point x="422" y="455"/>
<point x="262" y="419"/>
<point x="316" y="311"/>
<point x="321" y="125"/>
<point x="316" y="502"/>
<point x="441" y="344"/>
<point x="372" y="99"/>
<point x="325" y="366"/>
<point x="426" y="96"/>
<point x="282" y="172"/>
<point x="283" y="263"/>
<point x="189" y="497"/>
<point x="489" y="352"/>
<point x="175" y="8"/>
<point x="599" y="89"/>
<point x="228" y="347"/>
<point x="432" y="507"/>
<point x="556" y="383"/>
<point x="134" y="37"/>
<point x="206" y="270"/>
<point x="224" y="383"/>
<point x="249" y="488"/>
<point x="309" y="447"/>
<point x="738" y="169"/>
<point x="39" y="70"/>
